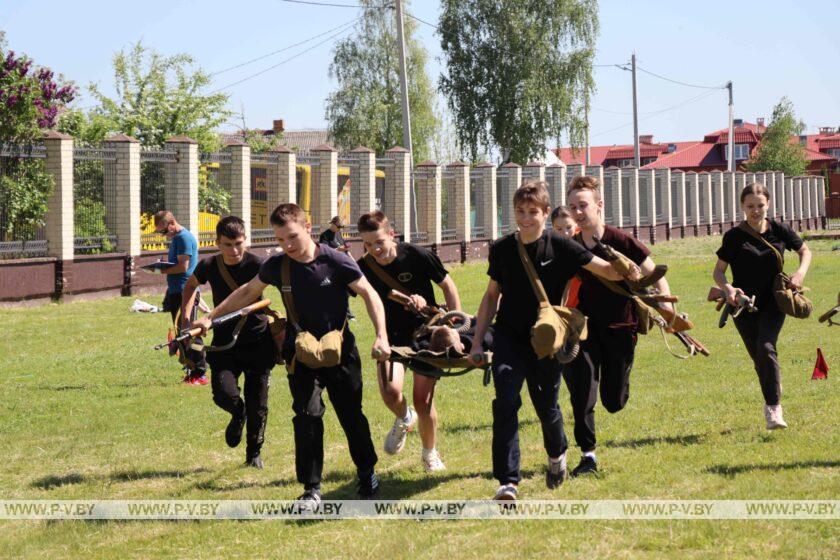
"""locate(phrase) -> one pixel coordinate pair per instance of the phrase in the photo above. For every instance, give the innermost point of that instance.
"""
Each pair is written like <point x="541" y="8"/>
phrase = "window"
<point x="742" y="151"/>
<point x="625" y="163"/>
<point x="834" y="152"/>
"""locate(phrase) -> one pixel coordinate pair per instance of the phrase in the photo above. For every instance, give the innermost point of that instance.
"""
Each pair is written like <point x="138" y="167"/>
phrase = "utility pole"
<point x="637" y="160"/>
<point x="586" y="116"/>
<point x="730" y="146"/>
<point x="406" y="115"/>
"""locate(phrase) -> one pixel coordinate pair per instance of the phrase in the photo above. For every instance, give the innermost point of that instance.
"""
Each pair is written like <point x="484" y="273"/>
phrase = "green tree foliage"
<point x="161" y="96"/>
<point x="778" y="149"/>
<point x="366" y="109"/>
<point x="518" y="72"/>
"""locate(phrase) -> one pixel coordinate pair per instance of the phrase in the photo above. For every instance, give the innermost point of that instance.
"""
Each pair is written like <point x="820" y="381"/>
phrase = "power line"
<point x="659" y="112"/>
<point x="330" y="4"/>
<point x="285" y="48"/>
<point x="432" y="25"/>
<point x="284" y="61"/>
<point x="677" y="81"/>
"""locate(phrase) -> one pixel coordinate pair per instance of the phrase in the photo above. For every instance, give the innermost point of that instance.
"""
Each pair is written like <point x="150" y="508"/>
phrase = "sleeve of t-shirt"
<point x="790" y="238"/>
<point x="494" y="267"/>
<point x="433" y="265"/>
<point x="346" y="269"/>
<point x="635" y="250"/>
<point x="573" y="253"/>
<point x="270" y="270"/>
<point x="200" y="271"/>
<point x="180" y="245"/>
<point x="727" y="250"/>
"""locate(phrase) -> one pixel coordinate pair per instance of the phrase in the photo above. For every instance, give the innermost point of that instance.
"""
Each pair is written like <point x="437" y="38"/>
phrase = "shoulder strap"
<point x="286" y="291"/>
<point x="539" y="290"/>
<point x="384" y="276"/>
<point x="779" y="259"/>
<point x="225" y="274"/>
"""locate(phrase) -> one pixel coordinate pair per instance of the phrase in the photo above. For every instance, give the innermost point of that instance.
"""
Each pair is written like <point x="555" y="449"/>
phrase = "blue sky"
<point x="768" y="48"/>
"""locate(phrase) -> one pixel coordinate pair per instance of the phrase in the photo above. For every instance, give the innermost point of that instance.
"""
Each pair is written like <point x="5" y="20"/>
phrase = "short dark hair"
<point x="755" y="188"/>
<point x="231" y="227"/>
<point x="534" y="192"/>
<point x="373" y="221"/>
<point x="164" y="217"/>
<point x="288" y="212"/>
<point x="560" y="212"/>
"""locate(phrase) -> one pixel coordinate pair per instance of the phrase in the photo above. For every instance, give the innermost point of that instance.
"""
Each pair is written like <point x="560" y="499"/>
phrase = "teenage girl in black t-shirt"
<point x="754" y="265"/>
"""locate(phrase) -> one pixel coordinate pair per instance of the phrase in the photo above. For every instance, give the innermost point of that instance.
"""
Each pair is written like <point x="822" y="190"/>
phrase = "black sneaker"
<point x="555" y="474"/>
<point x="233" y="432"/>
<point x="587" y="466"/>
<point x="254" y="461"/>
<point x="368" y="485"/>
<point x="309" y="500"/>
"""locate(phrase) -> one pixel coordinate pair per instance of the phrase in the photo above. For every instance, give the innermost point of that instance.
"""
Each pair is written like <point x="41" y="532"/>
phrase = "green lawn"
<point x="90" y="411"/>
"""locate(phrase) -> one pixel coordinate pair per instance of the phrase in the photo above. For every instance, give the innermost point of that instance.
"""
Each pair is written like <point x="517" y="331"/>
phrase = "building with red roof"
<point x="709" y="154"/>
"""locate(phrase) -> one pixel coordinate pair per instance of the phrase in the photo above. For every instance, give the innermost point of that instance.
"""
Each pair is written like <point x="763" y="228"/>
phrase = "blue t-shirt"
<point x="184" y="243"/>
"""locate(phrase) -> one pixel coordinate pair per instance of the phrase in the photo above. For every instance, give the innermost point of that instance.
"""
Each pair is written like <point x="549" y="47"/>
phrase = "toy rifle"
<point x="827" y="316"/>
<point x="427" y="312"/>
<point x="744" y="302"/>
<point x="186" y="334"/>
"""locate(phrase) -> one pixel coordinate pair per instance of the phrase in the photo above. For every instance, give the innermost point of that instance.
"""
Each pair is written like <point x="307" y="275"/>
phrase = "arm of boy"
<point x="486" y="312"/>
<point x="381" y="350"/>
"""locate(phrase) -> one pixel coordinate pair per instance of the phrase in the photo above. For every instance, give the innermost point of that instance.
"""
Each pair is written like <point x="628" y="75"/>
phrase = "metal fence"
<point x="25" y="187"/>
<point x="153" y="195"/>
<point x="94" y="200"/>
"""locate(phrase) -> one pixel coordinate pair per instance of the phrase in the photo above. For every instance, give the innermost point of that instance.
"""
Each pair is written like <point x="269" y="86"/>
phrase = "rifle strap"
<point x="536" y="284"/>
<point x="384" y="276"/>
<point x="779" y="259"/>
<point x="225" y="273"/>
<point x="231" y="283"/>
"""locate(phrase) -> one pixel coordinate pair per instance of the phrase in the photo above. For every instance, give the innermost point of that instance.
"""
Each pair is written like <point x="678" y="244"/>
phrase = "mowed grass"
<point x="90" y="411"/>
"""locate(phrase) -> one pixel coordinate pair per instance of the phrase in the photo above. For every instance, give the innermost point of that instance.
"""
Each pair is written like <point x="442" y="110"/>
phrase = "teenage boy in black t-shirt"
<point x="556" y="260"/>
<point x="412" y="269"/>
<point x="606" y="356"/>
<point x="253" y="353"/>
<point x="319" y="278"/>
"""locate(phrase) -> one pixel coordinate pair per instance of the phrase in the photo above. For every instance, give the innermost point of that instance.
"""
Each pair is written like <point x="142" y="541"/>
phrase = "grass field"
<point x="90" y="411"/>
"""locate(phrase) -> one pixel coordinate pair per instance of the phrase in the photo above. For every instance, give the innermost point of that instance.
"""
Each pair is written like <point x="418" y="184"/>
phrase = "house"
<point x="301" y="141"/>
<point x="710" y="153"/>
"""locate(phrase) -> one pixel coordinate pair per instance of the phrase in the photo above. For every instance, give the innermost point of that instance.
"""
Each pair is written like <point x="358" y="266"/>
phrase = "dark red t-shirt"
<point x="603" y="306"/>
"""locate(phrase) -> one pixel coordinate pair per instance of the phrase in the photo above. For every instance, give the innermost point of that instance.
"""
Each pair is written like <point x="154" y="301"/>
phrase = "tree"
<point x="30" y="100"/>
<point x="160" y="96"/>
<point x="366" y="109"/>
<point x="518" y="72"/>
<point x="778" y="149"/>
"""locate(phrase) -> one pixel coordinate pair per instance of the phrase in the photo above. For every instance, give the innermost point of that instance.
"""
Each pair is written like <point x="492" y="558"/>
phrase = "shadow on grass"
<point x="56" y="481"/>
<point x="734" y="470"/>
<point x="94" y="386"/>
<point x="685" y="439"/>
<point x="461" y="428"/>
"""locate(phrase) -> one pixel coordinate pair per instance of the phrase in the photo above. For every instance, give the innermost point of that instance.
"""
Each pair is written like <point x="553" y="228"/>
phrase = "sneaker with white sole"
<point x="432" y="461"/>
<point x="309" y="500"/>
<point x="506" y="493"/>
<point x="773" y="416"/>
<point x="395" y="440"/>
<point x="556" y="473"/>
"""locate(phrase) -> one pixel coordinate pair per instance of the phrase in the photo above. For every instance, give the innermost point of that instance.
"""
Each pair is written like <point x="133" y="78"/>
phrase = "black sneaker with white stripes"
<point x="587" y="465"/>
<point x="368" y="485"/>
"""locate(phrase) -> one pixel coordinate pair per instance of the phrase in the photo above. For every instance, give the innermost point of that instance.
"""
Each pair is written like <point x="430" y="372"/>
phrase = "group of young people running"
<point x="570" y="260"/>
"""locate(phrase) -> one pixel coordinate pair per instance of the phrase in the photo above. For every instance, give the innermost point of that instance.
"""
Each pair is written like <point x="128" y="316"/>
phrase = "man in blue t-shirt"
<point x="183" y="251"/>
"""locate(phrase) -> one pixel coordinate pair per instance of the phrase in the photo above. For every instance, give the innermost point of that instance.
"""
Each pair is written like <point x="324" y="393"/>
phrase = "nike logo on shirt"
<point x="543" y="263"/>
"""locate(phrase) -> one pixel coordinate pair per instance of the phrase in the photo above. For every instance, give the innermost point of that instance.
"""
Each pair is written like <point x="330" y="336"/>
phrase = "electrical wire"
<point x="677" y="81"/>
<point x="332" y="5"/>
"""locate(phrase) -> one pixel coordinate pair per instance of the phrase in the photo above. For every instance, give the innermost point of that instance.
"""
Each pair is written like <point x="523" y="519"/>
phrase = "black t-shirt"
<point x="256" y="325"/>
<point x="556" y="260"/>
<point x="319" y="290"/>
<point x="595" y="300"/>
<point x="332" y="238"/>
<point x="415" y="268"/>
<point x="754" y="264"/>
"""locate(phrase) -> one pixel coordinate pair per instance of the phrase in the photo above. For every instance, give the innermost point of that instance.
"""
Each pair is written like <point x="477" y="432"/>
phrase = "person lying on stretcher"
<point x="443" y="338"/>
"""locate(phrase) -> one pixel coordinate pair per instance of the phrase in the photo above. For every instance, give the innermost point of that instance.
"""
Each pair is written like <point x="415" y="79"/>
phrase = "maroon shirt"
<point x="603" y="306"/>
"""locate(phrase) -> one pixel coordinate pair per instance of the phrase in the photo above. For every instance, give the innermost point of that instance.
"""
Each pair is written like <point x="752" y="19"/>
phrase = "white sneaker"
<point x="432" y="461"/>
<point x="774" y="417"/>
<point x="395" y="440"/>
<point x="506" y="493"/>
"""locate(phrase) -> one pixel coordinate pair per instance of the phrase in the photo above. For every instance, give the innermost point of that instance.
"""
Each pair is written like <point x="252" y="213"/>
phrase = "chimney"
<point x="278" y="126"/>
<point x="737" y="122"/>
<point x="646" y="139"/>
<point x="759" y="121"/>
<point x="826" y="130"/>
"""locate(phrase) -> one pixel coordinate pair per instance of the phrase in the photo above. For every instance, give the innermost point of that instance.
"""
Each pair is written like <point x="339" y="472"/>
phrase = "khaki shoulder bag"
<point x="309" y="350"/>
<point x="557" y="328"/>
<point x="789" y="300"/>
<point x="276" y="323"/>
